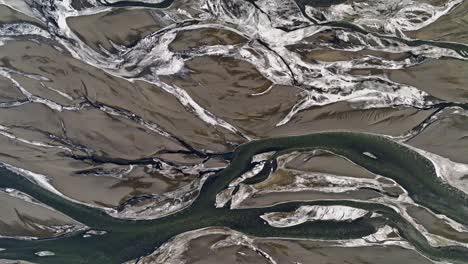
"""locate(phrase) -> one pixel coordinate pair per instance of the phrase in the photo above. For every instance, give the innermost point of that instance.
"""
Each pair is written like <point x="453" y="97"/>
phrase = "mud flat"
<point x="328" y="163"/>
<point x="290" y="251"/>
<point x="113" y="27"/>
<point x="444" y="30"/>
<point x="451" y="135"/>
<point x="449" y="85"/>
<point x="240" y="87"/>
<point x="412" y="171"/>
<point x="28" y="220"/>
<point x="341" y="116"/>
<point x="133" y="117"/>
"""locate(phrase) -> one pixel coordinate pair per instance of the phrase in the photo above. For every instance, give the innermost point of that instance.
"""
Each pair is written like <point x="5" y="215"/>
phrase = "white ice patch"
<point x="314" y="213"/>
<point x="90" y="233"/>
<point x="263" y="156"/>
<point x="243" y="193"/>
<point x="327" y="183"/>
<point x="223" y="197"/>
<point x="44" y="253"/>
<point x="370" y="155"/>
<point x="381" y="237"/>
<point x="22" y="29"/>
<point x="65" y="95"/>
<point x="249" y="174"/>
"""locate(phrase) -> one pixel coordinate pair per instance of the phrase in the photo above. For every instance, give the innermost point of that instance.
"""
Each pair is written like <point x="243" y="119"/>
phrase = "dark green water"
<point x="128" y="240"/>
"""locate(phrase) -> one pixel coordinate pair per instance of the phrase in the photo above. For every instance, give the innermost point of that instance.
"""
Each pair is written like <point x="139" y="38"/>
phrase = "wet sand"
<point x="304" y="251"/>
<point x="213" y="79"/>
<point x="340" y="116"/>
<point x="147" y="101"/>
<point x="193" y="39"/>
<point x="234" y="83"/>
<point x="8" y="15"/>
<point x="199" y="252"/>
<point x="106" y="28"/>
<point x="19" y="218"/>
<point x="105" y="135"/>
<point x="328" y="163"/>
<point x="435" y="225"/>
<point x="290" y="251"/>
<point x="450" y="84"/>
<point x="451" y="28"/>
<point x="102" y="153"/>
<point x="8" y="91"/>
<point x="268" y="199"/>
<point x="450" y="133"/>
<point x="71" y="177"/>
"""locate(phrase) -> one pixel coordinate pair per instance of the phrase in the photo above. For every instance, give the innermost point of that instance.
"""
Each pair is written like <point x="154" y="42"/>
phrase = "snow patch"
<point x="314" y="213"/>
<point x="370" y="155"/>
<point x="44" y="253"/>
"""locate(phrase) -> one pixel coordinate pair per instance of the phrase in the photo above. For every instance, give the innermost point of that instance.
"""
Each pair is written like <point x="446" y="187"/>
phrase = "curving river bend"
<point x="129" y="239"/>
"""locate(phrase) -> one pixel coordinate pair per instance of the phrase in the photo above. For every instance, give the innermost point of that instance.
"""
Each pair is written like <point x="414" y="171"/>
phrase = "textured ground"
<point x="129" y="106"/>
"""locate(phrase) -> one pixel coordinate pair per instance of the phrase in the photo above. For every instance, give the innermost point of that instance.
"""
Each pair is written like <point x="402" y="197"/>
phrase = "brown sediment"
<point x="227" y="87"/>
<point x="450" y="27"/>
<point x="99" y="29"/>
<point x="111" y="157"/>
<point x="278" y="178"/>
<point x="328" y="163"/>
<point x="293" y="251"/>
<point x="18" y="218"/>
<point x="452" y="139"/>
<point x="72" y="176"/>
<point x="451" y="84"/>
<point x="147" y="101"/>
<point x="8" y="92"/>
<point x="199" y="251"/>
<point x="107" y="136"/>
<point x="435" y="225"/>
<point x="341" y="116"/>
<point x="9" y="15"/>
<point x="268" y="199"/>
<point x="198" y="38"/>
<point x="393" y="191"/>
<point x="126" y="141"/>
<point x="223" y="86"/>
<point x="181" y="158"/>
<point x="290" y="251"/>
